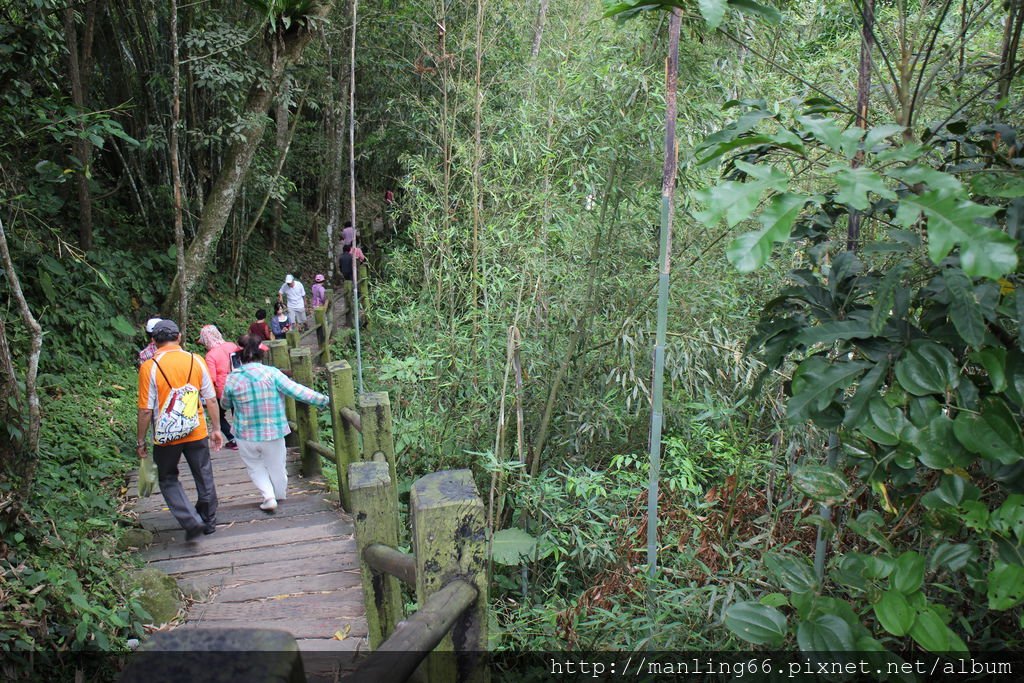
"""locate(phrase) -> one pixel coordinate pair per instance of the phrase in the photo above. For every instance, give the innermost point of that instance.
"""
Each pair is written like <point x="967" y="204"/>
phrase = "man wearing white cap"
<point x="294" y="295"/>
<point x="150" y="350"/>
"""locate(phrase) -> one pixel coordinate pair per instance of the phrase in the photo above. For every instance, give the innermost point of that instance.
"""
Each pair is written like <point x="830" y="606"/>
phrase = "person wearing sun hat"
<point x="293" y="294"/>
<point x="150" y="350"/>
<point x="319" y="293"/>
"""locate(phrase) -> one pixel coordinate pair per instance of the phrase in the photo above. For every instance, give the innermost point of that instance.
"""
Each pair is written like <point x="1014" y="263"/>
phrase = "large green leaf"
<point x="751" y="251"/>
<point x="993" y="434"/>
<point x="1005" y="586"/>
<point x="984" y="252"/>
<point x="794" y="573"/>
<point x="713" y="11"/>
<point x="930" y="632"/>
<point x="756" y="623"/>
<point x="894" y="613"/>
<point x="1008" y="518"/>
<point x="953" y="556"/>
<point x="828" y="132"/>
<point x="885" y="423"/>
<point x="834" y="330"/>
<point x="908" y="574"/>
<point x="928" y="176"/>
<point x="994" y="362"/>
<point x="1009" y="185"/>
<point x="938" y="447"/>
<point x="855" y="183"/>
<point x="964" y="310"/>
<point x="513" y="546"/>
<point x="820" y="483"/>
<point x="927" y="368"/>
<point x="815" y="384"/>
<point x="885" y="297"/>
<point x="824" y="633"/>
<point x="951" y="491"/>
<point x="867" y="389"/>
<point x="878" y="134"/>
<point x="732" y="200"/>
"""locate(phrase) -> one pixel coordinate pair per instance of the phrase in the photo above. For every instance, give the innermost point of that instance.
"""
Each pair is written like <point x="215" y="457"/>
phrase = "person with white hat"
<point x="150" y="350"/>
<point x="293" y="294"/>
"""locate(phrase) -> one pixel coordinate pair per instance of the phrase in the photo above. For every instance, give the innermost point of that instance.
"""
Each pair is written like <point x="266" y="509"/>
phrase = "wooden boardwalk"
<point x="295" y="570"/>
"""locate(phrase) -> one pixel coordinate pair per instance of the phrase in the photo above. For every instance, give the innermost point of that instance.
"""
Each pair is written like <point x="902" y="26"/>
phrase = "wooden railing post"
<point x="347" y="288"/>
<point x="346" y="440"/>
<point x="323" y="334"/>
<point x="375" y="510"/>
<point x="302" y="368"/>
<point x="364" y="291"/>
<point x="294" y="338"/>
<point x="280" y="359"/>
<point x="378" y="437"/>
<point x="449" y="541"/>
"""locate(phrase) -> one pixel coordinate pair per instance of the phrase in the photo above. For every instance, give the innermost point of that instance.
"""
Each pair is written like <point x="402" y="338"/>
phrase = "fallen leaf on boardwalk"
<point x="343" y="634"/>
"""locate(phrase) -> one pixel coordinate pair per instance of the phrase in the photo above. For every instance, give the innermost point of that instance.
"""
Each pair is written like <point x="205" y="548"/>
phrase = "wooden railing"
<point x="445" y="638"/>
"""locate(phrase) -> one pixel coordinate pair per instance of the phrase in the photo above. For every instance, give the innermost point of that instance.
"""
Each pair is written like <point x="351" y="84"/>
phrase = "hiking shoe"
<point x="231" y="446"/>
<point x="269" y="505"/>
<point x="209" y="528"/>
<point x="193" y="533"/>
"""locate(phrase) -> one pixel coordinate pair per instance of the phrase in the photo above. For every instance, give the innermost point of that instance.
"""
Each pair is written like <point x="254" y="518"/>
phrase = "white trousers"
<point x="265" y="461"/>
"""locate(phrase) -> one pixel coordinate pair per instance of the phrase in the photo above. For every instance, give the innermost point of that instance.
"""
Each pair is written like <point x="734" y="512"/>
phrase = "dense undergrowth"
<point x="64" y="582"/>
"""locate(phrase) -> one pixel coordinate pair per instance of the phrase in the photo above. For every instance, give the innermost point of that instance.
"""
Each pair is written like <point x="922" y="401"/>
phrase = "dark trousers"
<point x="197" y="455"/>
<point x="225" y="426"/>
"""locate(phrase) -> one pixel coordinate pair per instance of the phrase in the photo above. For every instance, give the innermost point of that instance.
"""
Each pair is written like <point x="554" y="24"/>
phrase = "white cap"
<point x="289" y="278"/>
<point x="151" y="323"/>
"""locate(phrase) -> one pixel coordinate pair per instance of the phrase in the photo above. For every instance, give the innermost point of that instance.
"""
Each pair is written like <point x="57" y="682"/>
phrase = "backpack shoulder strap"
<point x="169" y="385"/>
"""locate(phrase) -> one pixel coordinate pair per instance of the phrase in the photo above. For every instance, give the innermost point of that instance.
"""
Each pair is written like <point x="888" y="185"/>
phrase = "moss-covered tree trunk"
<point x="286" y="49"/>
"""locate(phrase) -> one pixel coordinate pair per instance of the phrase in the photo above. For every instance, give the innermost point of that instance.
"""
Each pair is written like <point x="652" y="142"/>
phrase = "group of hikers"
<point x="175" y="384"/>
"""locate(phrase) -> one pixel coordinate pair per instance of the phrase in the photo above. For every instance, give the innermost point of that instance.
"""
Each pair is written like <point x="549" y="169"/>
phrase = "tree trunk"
<point x="867" y="46"/>
<point x="18" y="456"/>
<point x="352" y="189"/>
<point x="287" y="49"/>
<point x="668" y="191"/>
<point x="478" y="97"/>
<point x="336" y="163"/>
<point x="1011" y="41"/>
<point x="282" y="145"/>
<point x="179" y="228"/>
<point x="79" y="72"/>
<point x="538" y="28"/>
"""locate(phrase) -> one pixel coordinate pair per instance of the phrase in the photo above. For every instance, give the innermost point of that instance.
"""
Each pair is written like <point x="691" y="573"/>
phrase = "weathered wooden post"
<point x="375" y="510"/>
<point x="294" y="338"/>
<point x="450" y="544"/>
<point x="280" y="359"/>
<point x="364" y="289"/>
<point x="378" y="438"/>
<point x="320" y="318"/>
<point x="346" y="440"/>
<point x="302" y="367"/>
<point x="349" y="305"/>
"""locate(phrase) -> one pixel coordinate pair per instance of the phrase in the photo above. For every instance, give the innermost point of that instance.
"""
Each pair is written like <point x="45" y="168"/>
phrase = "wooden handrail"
<point x="321" y="450"/>
<point x="385" y="559"/>
<point x="416" y="637"/>
<point x="353" y="418"/>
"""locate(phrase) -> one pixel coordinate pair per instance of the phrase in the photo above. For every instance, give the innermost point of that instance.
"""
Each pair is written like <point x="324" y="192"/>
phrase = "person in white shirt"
<point x="293" y="294"/>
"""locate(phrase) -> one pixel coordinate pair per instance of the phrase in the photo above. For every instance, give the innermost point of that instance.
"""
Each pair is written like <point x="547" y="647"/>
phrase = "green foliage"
<point x="910" y="349"/>
<point x="65" y="582"/>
